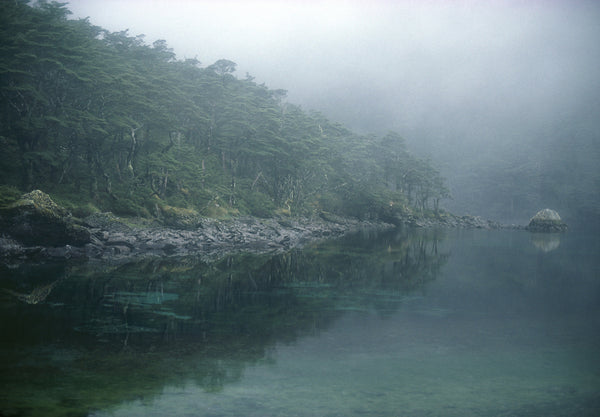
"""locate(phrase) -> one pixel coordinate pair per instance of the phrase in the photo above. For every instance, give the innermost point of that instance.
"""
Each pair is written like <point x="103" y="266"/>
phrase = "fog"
<point x="481" y="88"/>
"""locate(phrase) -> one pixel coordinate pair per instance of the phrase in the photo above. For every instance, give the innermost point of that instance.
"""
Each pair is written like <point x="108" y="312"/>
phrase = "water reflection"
<point x="83" y="337"/>
<point x="546" y="242"/>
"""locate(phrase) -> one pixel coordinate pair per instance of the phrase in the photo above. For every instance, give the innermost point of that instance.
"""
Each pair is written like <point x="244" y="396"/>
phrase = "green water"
<point x="408" y="323"/>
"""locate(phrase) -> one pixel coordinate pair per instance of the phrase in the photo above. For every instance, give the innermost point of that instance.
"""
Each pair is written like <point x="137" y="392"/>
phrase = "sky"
<point x="386" y="64"/>
<point x="455" y="78"/>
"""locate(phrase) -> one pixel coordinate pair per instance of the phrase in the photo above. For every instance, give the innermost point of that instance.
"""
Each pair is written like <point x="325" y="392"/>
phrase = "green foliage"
<point x="127" y="207"/>
<point x="8" y="195"/>
<point x="107" y="122"/>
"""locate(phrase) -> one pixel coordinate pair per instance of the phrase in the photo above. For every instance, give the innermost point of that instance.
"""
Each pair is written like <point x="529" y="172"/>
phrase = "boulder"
<point x="36" y="220"/>
<point x="547" y="221"/>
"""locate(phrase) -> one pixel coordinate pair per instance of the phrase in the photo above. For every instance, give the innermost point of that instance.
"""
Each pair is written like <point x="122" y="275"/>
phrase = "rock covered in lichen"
<point x="35" y="219"/>
<point x="546" y="220"/>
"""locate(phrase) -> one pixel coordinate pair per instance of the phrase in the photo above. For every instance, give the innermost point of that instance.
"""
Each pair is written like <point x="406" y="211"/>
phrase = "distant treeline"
<point x="102" y="121"/>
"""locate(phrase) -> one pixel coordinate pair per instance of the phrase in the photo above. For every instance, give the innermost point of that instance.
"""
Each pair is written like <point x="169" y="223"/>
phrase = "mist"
<point x="503" y="96"/>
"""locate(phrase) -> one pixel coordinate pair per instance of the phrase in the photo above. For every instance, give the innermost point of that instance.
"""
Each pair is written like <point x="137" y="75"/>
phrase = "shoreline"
<point x="112" y="238"/>
<point x="35" y="228"/>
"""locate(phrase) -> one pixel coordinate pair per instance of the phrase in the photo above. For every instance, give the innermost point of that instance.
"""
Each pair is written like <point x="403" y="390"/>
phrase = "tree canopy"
<point x="103" y="121"/>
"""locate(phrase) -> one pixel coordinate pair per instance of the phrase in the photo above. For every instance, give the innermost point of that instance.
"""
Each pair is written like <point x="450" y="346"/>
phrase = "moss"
<point x="126" y="207"/>
<point x="35" y="219"/>
<point x="85" y="210"/>
<point x="218" y="212"/>
<point x="218" y="209"/>
<point x="41" y="203"/>
<point x="8" y="195"/>
<point x="179" y="216"/>
<point x="257" y="204"/>
<point x="283" y="211"/>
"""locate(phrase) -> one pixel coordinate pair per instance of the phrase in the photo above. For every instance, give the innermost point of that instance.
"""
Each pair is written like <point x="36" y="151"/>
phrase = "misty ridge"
<point x="485" y="110"/>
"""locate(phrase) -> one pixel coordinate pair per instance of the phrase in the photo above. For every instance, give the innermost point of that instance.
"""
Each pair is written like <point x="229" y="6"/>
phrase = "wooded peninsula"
<point x="103" y="122"/>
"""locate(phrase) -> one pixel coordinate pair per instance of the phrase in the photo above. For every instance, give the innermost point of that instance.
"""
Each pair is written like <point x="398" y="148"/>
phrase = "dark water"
<point x="429" y="323"/>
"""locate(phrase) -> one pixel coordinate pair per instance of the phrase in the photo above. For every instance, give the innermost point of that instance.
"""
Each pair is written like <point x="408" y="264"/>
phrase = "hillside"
<point x="103" y="122"/>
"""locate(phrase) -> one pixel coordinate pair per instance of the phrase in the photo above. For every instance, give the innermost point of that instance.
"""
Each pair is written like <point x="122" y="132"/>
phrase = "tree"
<point x="223" y="67"/>
<point x="100" y="116"/>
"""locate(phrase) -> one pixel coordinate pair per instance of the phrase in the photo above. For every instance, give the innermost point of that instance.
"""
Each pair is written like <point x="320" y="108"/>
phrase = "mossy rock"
<point x="546" y="221"/>
<point x="106" y="221"/>
<point x="35" y="219"/>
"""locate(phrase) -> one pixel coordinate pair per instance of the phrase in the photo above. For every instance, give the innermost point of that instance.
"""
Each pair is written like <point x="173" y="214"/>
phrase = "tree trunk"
<point x="132" y="150"/>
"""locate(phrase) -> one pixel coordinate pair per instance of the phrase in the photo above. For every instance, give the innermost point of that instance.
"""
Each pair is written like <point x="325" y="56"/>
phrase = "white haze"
<point x="458" y="79"/>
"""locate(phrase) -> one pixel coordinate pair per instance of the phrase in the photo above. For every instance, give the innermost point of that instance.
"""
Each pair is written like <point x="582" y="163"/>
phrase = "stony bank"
<point x="36" y="227"/>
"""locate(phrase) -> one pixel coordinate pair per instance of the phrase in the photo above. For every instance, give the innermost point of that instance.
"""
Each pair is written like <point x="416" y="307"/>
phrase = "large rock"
<point x="546" y="220"/>
<point x="37" y="220"/>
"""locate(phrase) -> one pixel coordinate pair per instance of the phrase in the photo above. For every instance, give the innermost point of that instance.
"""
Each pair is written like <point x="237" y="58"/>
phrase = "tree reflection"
<point x="132" y="329"/>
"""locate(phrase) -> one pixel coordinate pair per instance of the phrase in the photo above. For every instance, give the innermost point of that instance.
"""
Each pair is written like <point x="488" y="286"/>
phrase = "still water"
<point x="403" y="323"/>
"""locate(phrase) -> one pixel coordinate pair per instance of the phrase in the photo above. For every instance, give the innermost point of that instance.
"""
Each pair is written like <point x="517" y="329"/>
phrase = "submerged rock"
<point x="547" y="221"/>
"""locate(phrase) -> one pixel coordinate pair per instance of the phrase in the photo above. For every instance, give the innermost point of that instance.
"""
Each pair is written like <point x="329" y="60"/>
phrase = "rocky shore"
<point x="36" y="228"/>
<point x="112" y="238"/>
<point x="453" y="221"/>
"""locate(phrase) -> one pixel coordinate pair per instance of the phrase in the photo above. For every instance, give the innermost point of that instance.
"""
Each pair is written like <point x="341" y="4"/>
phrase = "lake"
<point x="401" y="323"/>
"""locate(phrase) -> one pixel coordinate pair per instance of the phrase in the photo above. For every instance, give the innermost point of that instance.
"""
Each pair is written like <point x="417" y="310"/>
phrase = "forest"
<point x="103" y="121"/>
